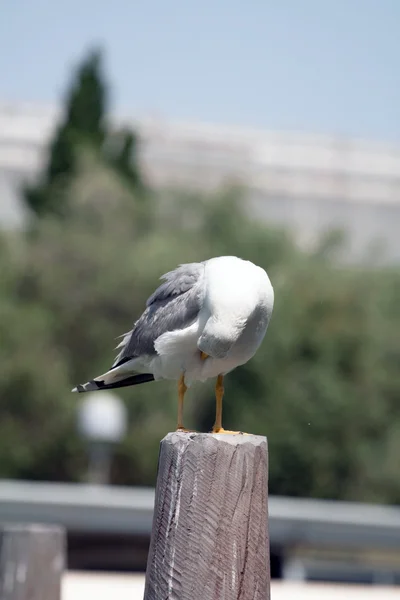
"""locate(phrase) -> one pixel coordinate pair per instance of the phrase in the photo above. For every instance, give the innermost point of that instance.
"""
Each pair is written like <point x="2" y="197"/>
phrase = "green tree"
<point x="36" y="416"/>
<point x="83" y="124"/>
<point x="323" y="387"/>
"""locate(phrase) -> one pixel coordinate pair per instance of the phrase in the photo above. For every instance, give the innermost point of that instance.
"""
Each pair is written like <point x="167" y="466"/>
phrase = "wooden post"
<point x="31" y="562"/>
<point x="210" y="526"/>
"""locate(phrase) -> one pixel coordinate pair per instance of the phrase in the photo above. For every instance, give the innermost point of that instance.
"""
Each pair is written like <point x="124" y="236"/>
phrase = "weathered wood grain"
<point x="31" y="562"/>
<point x="210" y="528"/>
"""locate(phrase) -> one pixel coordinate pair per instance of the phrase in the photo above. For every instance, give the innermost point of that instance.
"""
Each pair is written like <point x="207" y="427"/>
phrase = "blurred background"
<point x="134" y="137"/>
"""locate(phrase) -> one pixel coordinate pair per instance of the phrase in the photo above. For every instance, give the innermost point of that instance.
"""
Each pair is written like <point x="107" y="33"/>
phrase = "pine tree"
<point x="87" y="102"/>
<point x="83" y="123"/>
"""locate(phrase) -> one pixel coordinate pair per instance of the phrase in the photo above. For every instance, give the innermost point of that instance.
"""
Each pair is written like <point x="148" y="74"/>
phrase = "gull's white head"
<point x="219" y="336"/>
<point x="239" y="301"/>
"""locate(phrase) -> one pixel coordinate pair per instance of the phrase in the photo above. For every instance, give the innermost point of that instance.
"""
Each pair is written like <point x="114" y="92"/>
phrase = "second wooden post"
<point x="210" y="529"/>
<point x="32" y="560"/>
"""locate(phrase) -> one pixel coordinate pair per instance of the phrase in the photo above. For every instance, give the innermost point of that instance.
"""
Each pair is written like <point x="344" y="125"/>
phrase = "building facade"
<point x="309" y="183"/>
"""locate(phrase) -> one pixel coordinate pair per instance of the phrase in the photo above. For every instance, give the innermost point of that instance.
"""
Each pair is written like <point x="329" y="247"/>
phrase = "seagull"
<point x="203" y="321"/>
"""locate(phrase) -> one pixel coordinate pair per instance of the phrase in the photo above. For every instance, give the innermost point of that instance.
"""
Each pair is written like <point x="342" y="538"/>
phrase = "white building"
<point x="311" y="183"/>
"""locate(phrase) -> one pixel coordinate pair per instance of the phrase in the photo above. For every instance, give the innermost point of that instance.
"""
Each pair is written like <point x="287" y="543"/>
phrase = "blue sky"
<point x="329" y="66"/>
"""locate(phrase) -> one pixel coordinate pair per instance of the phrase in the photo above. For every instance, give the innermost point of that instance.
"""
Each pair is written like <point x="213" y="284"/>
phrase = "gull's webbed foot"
<point x="226" y="431"/>
<point x="184" y="430"/>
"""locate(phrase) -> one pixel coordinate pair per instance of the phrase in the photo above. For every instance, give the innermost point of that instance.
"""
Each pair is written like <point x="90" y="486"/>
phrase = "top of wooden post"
<point x="229" y="438"/>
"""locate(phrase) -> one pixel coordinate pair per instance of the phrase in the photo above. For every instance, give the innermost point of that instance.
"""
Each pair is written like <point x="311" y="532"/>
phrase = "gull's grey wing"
<point x="174" y="305"/>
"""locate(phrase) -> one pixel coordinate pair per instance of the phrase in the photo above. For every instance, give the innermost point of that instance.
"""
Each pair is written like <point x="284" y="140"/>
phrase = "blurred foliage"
<point x="324" y="386"/>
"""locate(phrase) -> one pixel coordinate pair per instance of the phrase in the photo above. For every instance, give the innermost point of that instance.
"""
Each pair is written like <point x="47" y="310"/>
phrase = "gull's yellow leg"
<point x="181" y="396"/>
<point x="203" y="355"/>
<point x="219" y="394"/>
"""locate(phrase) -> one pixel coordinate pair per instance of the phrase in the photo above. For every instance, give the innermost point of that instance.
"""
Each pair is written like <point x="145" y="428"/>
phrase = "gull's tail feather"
<point x="100" y="384"/>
